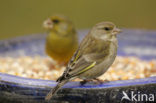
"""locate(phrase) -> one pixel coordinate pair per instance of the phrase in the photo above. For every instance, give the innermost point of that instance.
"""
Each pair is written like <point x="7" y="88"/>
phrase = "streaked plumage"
<point x="94" y="56"/>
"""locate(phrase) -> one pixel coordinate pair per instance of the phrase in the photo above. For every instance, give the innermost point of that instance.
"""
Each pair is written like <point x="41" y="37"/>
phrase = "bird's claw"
<point x="95" y="80"/>
<point x="84" y="81"/>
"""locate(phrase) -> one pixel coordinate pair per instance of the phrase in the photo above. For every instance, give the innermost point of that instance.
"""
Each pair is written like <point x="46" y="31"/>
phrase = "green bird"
<point x="62" y="40"/>
<point x="95" y="55"/>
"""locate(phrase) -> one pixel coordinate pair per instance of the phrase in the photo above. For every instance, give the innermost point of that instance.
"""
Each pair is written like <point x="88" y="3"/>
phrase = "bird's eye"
<point x="55" y="21"/>
<point x="106" y="28"/>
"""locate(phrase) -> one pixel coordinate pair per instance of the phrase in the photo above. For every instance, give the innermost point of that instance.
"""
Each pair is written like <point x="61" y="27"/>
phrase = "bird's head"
<point x="105" y="30"/>
<point x="58" y="23"/>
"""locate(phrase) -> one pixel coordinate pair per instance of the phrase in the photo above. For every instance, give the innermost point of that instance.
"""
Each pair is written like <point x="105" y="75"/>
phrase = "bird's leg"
<point x="95" y="80"/>
<point x="85" y="81"/>
<point x="100" y="81"/>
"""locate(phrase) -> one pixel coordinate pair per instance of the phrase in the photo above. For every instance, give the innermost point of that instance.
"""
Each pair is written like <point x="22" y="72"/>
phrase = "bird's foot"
<point x="85" y="81"/>
<point x="99" y="81"/>
<point x="95" y="80"/>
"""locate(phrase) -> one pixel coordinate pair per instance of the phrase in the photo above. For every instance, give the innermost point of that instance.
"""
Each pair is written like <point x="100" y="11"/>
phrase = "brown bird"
<point x="94" y="56"/>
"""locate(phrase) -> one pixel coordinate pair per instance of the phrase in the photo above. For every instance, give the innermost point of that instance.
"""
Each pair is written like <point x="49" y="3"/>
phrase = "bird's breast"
<point x="106" y="62"/>
<point x="60" y="44"/>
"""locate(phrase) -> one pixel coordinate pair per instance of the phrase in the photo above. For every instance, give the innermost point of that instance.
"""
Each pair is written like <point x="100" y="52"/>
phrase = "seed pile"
<point x="44" y="68"/>
<point x="125" y="68"/>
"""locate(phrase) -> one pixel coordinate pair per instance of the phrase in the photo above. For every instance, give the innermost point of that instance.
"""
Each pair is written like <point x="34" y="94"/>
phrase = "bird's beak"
<point x="48" y="24"/>
<point x="116" y="31"/>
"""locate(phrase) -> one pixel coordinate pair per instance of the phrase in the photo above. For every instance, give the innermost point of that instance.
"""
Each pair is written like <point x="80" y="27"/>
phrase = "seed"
<point x="45" y="68"/>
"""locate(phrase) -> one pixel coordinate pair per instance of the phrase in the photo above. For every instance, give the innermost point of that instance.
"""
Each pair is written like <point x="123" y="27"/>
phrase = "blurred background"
<point x="23" y="17"/>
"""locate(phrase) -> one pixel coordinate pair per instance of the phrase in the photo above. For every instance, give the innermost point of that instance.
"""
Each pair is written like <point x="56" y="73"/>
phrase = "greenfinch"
<point x="95" y="55"/>
<point x="62" y="40"/>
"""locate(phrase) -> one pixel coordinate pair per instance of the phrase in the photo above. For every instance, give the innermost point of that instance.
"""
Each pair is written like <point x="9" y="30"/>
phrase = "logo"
<point x="125" y="96"/>
<point x="137" y="96"/>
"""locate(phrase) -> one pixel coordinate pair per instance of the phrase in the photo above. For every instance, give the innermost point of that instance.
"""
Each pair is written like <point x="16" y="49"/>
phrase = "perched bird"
<point x="94" y="56"/>
<point x="62" y="40"/>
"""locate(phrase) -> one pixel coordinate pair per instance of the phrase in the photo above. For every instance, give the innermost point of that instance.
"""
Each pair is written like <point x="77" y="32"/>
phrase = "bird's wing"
<point x="75" y="61"/>
<point x="87" y="56"/>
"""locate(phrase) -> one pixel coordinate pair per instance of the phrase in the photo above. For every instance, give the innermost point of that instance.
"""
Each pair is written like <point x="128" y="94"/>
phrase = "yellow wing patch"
<point x="87" y="68"/>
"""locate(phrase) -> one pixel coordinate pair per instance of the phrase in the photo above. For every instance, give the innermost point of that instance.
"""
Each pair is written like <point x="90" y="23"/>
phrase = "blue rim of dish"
<point x="6" y="78"/>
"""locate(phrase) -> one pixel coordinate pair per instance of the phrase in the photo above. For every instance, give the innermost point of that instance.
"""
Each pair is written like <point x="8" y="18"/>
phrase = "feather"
<point x="55" y="89"/>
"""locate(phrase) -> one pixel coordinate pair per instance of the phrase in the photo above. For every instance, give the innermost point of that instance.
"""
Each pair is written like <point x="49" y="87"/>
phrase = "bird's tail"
<point x="55" y="89"/>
